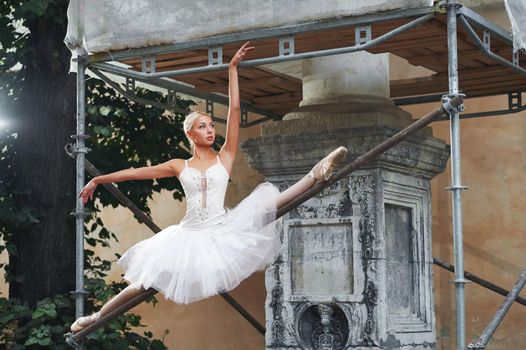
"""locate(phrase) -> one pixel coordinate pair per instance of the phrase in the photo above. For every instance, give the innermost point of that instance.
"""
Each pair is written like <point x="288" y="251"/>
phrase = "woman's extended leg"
<point x="296" y="189"/>
<point x="320" y="172"/>
<point x="125" y="295"/>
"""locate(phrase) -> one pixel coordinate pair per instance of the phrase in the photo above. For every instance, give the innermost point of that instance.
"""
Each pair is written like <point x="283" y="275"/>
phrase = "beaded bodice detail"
<point x="205" y="194"/>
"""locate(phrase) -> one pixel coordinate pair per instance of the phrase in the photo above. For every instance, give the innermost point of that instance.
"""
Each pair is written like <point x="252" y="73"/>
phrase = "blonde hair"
<point x="189" y="122"/>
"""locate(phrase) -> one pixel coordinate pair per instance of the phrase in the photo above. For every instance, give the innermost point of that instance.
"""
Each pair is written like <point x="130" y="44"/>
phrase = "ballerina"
<point x="212" y="249"/>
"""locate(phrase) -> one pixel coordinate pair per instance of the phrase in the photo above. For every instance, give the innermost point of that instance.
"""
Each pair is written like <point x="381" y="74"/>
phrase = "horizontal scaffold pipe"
<point x="486" y="24"/>
<point x="131" y="96"/>
<point x="454" y="102"/>
<point x="480" y="281"/>
<point x="185" y="89"/>
<point x="269" y="60"/>
<point x="473" y="35"/>
<point x="263" y="33"/>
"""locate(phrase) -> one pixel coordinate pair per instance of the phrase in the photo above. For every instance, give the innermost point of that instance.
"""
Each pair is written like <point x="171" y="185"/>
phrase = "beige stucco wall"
<point x="494" y="168"/>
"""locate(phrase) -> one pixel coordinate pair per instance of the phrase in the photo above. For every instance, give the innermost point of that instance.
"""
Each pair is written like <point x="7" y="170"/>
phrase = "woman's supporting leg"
<point x="320" y="172"/>
<point x="125" y="295"/>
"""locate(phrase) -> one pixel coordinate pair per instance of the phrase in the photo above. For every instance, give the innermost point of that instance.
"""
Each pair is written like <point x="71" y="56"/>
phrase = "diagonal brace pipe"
<point x="371" y="154"/>
<point x="486" y="335"/>
<point x="143" y="218"/>
<point x="455" y="101"/>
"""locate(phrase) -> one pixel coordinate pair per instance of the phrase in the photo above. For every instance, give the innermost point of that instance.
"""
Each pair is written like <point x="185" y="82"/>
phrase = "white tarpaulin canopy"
<point x="107" y="25"/>
<point x="516" y="10"/>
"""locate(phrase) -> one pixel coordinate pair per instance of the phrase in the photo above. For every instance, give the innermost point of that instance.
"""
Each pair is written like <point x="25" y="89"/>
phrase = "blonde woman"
<point x="212" y="249"/>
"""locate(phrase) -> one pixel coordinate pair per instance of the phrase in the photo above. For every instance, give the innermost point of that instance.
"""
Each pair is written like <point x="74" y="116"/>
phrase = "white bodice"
<point x="205" y="195"/>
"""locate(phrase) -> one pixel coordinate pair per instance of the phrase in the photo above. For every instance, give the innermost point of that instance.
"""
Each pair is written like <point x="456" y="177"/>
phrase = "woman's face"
<point x="203" y="132"/>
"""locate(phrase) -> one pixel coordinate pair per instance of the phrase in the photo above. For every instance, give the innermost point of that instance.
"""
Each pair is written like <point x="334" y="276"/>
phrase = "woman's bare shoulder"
<point x="177" y="164"/>
<point x="176" y="161"/>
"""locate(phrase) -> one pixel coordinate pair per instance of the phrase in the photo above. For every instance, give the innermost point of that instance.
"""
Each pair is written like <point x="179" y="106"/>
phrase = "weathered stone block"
<point x="355" y="266"/>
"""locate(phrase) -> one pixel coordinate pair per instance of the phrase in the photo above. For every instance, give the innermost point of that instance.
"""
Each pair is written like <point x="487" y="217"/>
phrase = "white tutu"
<point x="189" y="262"/>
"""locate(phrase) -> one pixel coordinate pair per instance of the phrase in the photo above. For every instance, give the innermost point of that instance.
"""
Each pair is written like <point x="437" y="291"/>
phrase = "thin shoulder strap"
<point x="218" y="161"/>
<point x="186" y="163"/>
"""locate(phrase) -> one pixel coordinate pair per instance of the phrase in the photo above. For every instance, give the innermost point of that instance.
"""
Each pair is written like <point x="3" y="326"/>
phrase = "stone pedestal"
<point x="355" y="269"/>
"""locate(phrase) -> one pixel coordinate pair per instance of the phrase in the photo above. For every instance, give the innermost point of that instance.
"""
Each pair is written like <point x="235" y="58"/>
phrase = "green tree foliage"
<point x="123" y="134"/>
<point x="127" y="134"/>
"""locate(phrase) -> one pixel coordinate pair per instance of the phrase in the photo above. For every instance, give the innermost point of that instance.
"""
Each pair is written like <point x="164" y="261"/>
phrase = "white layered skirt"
<point x="188" y="263"/>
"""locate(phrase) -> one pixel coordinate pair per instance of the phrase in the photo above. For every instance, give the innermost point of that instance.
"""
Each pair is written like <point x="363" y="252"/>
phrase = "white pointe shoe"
<point x="322" y="171"/>
<point x="84" y="321"/>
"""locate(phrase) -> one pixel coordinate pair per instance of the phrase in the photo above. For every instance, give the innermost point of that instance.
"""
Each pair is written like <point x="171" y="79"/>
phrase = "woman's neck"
<point x="203" y="153"/>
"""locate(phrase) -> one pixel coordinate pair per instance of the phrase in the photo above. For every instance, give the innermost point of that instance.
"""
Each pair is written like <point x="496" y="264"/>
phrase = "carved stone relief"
<point x="361" y="188"/>
<point x="276" y="305"/>
<point x="332" y="202"/>
<point x="334" y="235"/>
<point x="323" y="326"/>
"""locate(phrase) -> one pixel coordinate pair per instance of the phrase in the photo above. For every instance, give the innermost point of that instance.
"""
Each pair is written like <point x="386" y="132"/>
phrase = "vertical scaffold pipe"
<point x="80" y="149"/>
<point x="456" y="187"/>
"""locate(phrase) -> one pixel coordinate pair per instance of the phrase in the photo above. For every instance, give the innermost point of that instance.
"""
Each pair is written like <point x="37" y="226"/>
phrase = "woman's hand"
<point x="240" y="54"/>
<point x="87" y="192"/>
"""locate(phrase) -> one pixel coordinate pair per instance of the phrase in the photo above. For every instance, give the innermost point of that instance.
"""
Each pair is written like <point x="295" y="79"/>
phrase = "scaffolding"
<point x="426" y="36"/>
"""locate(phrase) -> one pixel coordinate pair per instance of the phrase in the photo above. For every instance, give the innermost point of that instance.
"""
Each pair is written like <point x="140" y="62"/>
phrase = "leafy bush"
<point x="123" y="134"/>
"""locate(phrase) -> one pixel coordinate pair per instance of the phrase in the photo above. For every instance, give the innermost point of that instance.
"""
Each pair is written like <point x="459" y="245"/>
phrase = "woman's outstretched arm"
<point x="234" y="109"/>
<point x="149" y="172"/>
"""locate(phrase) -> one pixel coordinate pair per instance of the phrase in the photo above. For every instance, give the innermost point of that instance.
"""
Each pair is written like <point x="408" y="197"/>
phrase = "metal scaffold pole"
<point x="80" y="214"/>
<point x="456" y="187"/>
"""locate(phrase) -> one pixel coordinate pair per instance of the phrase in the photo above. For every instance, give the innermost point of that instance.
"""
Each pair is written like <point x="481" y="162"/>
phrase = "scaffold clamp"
<point x="84" y="214"/>
<point x="443" y="4"/>
<point x="451" y="108"/>
<point x="79" y="292"/>
<point x="71" y="341"/>
<point x="72" y="150"/>
<point x="458" y="187"/>
<point x="460" y="281"/>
